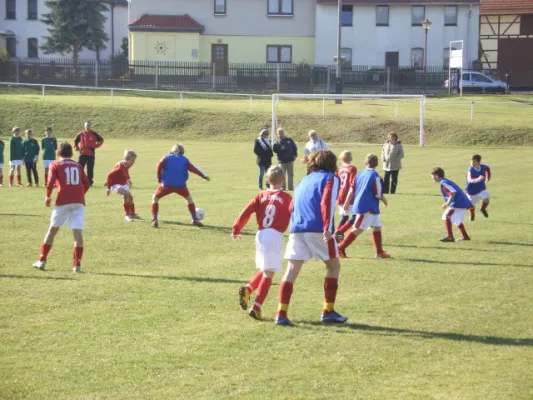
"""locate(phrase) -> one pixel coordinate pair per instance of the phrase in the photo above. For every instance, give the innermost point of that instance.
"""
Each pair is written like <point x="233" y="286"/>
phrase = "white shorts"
<point x="345" y="213"/>
<point x="15" y="163"/>
<point x="47" y="163"/>
<point x="303" y="246"/>
<point x="71" y="214"/>
<point x="116" y="188"/>
<point x="456" y="215"/>
<point x="474" y="199"/>
<point x="269" y="250"/>
<point x="366" y="221"/>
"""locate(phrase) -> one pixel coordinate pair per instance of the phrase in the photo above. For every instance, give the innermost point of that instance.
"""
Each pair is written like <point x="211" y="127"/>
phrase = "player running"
<point x="72" y="184"/>
<point x="118" y="181"/>
<point x="346" y="174"/>
<point x="476" y="188"/>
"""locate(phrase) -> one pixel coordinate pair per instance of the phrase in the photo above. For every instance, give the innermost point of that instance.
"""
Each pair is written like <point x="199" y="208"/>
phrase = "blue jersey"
<point x="475" y="179"/>
<point x="173" y="171"/>
<point x="367" y="192"/>
<point x="460" y="200"/>
<point x="314" y="203"/>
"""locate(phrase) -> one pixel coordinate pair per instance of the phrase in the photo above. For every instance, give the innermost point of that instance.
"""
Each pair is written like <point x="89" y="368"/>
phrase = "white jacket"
<point x="311" y="147"/>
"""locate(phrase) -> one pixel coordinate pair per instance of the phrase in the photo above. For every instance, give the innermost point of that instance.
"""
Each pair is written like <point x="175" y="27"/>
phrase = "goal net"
<point x="357" y="119"/>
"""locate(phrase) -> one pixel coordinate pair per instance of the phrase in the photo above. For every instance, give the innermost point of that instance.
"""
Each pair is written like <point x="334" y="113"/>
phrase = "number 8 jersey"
<point x="71" y="182"/>
<point x="272" y="210"/>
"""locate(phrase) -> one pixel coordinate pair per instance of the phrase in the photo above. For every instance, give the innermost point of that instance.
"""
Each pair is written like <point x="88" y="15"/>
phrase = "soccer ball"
<point x="200" y="214"/>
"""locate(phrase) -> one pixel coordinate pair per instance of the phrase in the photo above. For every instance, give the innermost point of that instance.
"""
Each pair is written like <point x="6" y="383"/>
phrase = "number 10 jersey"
<point x="71" y="182"/>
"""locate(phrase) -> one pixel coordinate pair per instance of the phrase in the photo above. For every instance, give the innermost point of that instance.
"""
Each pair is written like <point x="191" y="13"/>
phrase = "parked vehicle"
<point x="476" y="82"/>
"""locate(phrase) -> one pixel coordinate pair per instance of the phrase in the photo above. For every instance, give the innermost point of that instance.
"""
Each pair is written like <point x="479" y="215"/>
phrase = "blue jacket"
<point x="290" y="151"/>
<point x="447" y="187"/>
<point x="367" y="192"/>
<point x="175" y="171"/>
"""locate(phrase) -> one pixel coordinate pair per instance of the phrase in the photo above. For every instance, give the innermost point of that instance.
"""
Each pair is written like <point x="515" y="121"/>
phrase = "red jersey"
<point x="87" y="142"/>
<point x="71" y="182"/>
<point x="346" y="174"/>
<point x="272" y="210"/>
<point x="119" y="175"/>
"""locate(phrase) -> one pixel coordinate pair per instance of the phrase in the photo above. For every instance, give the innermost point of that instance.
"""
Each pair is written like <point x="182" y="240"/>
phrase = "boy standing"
<point x="368" y="194"/>
<point x="31" y="155"/>
<point x="16" y="155"/>
<point x="272" y="209"/>
<point x="86" y="142"/>
<point x="118" y="181"/>
<point x="346" y="174"/>
<point x="456" y="205"/>
<point x="49" y="146"/>
<point x="476" y="177"/>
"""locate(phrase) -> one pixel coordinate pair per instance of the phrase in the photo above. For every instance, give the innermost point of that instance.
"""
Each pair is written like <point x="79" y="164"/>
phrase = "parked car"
<point x="477" y="82"/>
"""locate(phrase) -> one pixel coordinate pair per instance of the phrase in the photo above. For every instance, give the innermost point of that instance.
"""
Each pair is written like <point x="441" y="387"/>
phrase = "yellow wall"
<point x="164" y="46"/>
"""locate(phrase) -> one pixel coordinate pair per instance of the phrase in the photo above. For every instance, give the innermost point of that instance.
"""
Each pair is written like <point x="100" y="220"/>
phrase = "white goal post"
<point x="321" y="106"/>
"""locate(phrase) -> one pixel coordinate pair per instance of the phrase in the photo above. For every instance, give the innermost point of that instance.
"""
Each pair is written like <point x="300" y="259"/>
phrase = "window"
<point x="450" y="16"/>
<point x="220" y="6"/>
<point x="347" y="16"/>
<point x="347" y="54"/>
<point x="11" y="9"/>
<point x="480" y="78"/>
<point x="417" y="57"/>
<point x="466" y="77"/>
<point x="526" y="24"/>
<point x="33" y="51"/>
<point x="11" y="46"/>
<point x="279" y="54"/>
<point x="32" y="9"/>
<point x="280" y="7"/>
<point x="392" y="59"/>
<point x="418" y="13"/>
<point x="446" y="63"/>
<point x="382" y="15"/>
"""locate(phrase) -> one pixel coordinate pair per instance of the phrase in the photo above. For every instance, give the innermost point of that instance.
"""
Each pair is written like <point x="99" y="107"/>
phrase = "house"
<point x="390" y="33"/>
<point x="506" y="36"/>
<point x="222" y="31"/>
<point x="22" y="31"/>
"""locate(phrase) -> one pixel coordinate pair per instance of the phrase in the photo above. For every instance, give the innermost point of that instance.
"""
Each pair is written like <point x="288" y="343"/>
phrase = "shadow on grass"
<point x="414" y="194"/>
<point x="18" y="215"/>
<point x="410" y="246"/>
<point x="512" y="244"/>
<point x="172" y="278"/>
<point x="475" y="263"/>
<point x="385" y="330"/>
<point x="224" y="229"/>
<point x="58" y="278"/>
<point x="491" y="221"/>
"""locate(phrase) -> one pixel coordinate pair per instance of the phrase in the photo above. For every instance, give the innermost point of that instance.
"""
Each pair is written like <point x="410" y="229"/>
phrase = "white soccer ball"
<point x="200" y="214"/>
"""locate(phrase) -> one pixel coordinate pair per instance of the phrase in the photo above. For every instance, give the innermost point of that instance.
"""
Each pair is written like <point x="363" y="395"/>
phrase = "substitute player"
<point x="346" y="173"/>
<point x="49" y="146"/>
<point x="456" y="205"/>
<point x="476" y="188"/>
<point x="118" y="181"/>
<point x="172" y="175"/>
<point x="368" y="194"/>
<point x="1" y="162"/>
<point x="72" y="184"/>
<point x="311" y="234"/>
<point x="272" y="208"/>
<point x="16" y="156"/>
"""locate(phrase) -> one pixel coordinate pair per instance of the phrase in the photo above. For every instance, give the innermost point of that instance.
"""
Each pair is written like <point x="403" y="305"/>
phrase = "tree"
<point x="75" y="25"/>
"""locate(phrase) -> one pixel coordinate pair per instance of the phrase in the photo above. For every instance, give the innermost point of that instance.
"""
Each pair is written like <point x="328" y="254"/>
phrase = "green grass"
<point x="155" y="312"/>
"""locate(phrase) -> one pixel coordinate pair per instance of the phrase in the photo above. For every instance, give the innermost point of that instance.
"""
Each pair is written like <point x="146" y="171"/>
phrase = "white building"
<point x="390" y="33"/>
<point x="22" y="32"/>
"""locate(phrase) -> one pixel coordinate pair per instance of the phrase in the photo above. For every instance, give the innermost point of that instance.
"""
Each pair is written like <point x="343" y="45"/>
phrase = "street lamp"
<point x="338" y="80"/>
<point x="426" y="24"/>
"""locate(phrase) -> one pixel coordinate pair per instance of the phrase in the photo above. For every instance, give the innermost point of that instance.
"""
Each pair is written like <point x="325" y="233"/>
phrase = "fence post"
<point x="214" y="84"/>
<point x="96" y="73"/>
<point x="18" y="70"/>
<point x="278" y="77"/>
<point x="396" y="110"/>
<point x="328" y="78"/>
<point x="181" y="100"/>
<point x="43" y="93"/>
<point x="157" y="74"/>
<point x="323" y="107"/>
<point x="388" y="80"/>
<point x="112" y="98"/>
<point x="251" y="104"/>
<point x="472" y="112"/>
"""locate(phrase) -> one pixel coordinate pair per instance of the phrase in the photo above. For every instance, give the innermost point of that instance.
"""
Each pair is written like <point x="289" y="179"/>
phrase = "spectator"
<point x="86" y="142"/>
<point x="314" y="144"/>
<point x="264" y="155"/>
<point x="286" y="151"/>
<point x="391" y="155"/>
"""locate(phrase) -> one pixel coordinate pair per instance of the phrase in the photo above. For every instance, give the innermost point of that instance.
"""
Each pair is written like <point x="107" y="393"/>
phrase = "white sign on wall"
<point x="456" y="58"/>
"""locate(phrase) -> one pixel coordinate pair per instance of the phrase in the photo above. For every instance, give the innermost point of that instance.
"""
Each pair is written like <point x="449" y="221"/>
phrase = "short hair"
<point x="48" y="129"/>
<point x="64" y="150"/>
<point x="322" y="160"/>
<point x="476" y="157"/>
<point x="263" y="132"/>
<point x="15" y="129"/>
<point x="371" y="160"/>
<point x="275" y="175"/>
<point x="280" y="130"/>
<point x="129" y="154"/>
<point x="312" y="132"/>
<point x="346" y="156"/>
<point x="28" y="132"/>
<point x="438" y="171"/>
<point x="178" y="149"/>
<point x="393" y="134"/>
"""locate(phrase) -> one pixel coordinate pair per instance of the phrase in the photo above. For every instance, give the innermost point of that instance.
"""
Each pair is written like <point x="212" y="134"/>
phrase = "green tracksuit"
<point x="31" y="150"/>
<point x="49" y="146"/>
<point x="16" y="149"/>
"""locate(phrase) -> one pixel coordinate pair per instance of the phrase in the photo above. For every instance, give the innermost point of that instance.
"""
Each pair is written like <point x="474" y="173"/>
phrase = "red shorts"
<point x="162" y="191"/>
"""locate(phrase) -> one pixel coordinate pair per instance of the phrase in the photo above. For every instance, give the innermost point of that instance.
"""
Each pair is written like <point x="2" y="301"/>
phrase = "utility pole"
<point x="338" y="80"/>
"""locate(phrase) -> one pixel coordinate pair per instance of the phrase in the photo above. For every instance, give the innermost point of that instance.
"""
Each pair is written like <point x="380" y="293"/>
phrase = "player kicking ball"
<point x="72" y="184"/>
<point x="172" y="175"/>
<point x="118" y="181"/>
<point x="272" y="208"/>
<point x="476" y="188"/>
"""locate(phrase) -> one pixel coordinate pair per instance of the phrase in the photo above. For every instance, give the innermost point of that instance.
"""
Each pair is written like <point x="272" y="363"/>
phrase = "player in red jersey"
<point x="346" y="174"/>
<point x="118" y="181"/>
<point x="272" y="209"/>
<point x="72" y="184"/>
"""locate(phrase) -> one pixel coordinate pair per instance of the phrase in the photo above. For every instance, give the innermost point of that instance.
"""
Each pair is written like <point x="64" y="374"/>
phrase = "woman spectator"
<point x="391" y="155"/>
<point x="314" y="144"/>
<point x="264" y="155"/>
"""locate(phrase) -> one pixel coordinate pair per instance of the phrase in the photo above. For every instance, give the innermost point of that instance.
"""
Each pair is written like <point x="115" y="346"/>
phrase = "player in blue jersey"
<point x="456" y="205"/>
<point x="476" y="177"/>
<point x="368" y="194"/>
<point x="311" y="234"/>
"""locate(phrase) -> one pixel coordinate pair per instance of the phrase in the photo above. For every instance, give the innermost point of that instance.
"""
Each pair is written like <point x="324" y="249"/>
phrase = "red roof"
<point x="402" y="2"/>
<point x="166" y="23"/>
<point x="507" y="7"/>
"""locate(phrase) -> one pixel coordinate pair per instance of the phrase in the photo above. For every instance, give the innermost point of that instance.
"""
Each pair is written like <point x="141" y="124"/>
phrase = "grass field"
<point x="155" y="312"/>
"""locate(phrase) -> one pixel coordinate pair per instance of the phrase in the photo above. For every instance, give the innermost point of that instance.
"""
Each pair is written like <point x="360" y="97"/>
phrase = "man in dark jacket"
<point x="86" y="142"/>
<point x="264" y="155"/>
<point x="286" y="150"/>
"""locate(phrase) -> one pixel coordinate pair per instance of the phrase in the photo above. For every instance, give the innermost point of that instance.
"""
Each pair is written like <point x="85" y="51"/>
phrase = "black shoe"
<point x="448" y="239"/>
<point x="472" y="217"/>
<point x="485" y="213"/>
<point x="463" y="238"/>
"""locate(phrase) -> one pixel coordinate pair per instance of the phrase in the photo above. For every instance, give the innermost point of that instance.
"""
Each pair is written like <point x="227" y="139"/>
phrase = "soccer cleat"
<point x="342" y="254"/>
<point x="155" y="224"/>
<point x="472" y="217"/>
<point x="244" y="297"/>
<point x="339" y="237"/>
<point x="128" y="218"/>
<point x="135" y="216"/>
<point x="485" y="213"/>
<point x="255" y="314"/>
<point x="447" y="239"/>
<point x="463" y="238"/>
<point x="76" y="270"/>
<point x="197" y="223"/>
<point x="283" y="321"/>
<point x="383" y="254"/>
<point x="39" y="265"/>
<point x="333" y="318"/>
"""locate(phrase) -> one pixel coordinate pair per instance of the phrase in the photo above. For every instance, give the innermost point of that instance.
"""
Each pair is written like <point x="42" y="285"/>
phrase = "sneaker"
<point x="472" y="217"/>
<point x="383" y="254"/>
<point x="342" y="254"/>
<point x="155" y="224"/>
<point x="244" y="297"/>
<point x="447" y="239"/>
<point x="128" y="218"/>
<point x="283" y="321"/>
<point x="135" y="216"/>
<point x="197" y="223"/>
<point x="76" y="270"/>
<point x="39" y="265"/>
<point x="485" y="213"/>
<point x="255" y="314"/>
<point x="463" y="238"/>
<point x="333" y="318"/>
<point x="339" y="237"/>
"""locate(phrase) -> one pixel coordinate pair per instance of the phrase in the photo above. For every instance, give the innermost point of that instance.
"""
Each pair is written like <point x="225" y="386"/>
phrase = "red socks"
<point x="11" y="180"/>
<point x="129" y="208"/>
<point x="19" y="179"/>
<point x="126" y="208"/>
<point x="473" y="211"/>
<point x="345" y="227"/>
<point x="192" y="210"/>
<point x="330" y="293"/>
<point x="254" y="282"/>
<point x="348" y="240"/>
<point x="45" y="249"/>
<point x="78" y="253"/>
<point x="376" y="238"/>
<point x="1" y="179"/>
<point x="285" y="293"/>
<point x="462" y="230"/>
<point x="155" y="210"/>
<point x="262" y="292"/>
<point x="484" y="206"/>
<point x="448" y="224"/>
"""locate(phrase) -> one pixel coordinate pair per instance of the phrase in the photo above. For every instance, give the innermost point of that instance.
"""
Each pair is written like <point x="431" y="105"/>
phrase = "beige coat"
<point x="392" y="155"/>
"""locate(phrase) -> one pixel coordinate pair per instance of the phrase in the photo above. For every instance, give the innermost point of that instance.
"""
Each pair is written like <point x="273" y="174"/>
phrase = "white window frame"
<point x="388" y="15"/>
<point x="13" y="40"/>
<point x="347" y="53"/>
<point x="351" y="12"/>
<point x="413" y="22"/>
<point x="218" y="3"/>
<point x="14" y="14"/>
<point x="279" y="48"/>
<point x="456" y="15"/>
<point x="280" y="4"/>
<point x="414" y="63"/>
<point x="36" y="47"/>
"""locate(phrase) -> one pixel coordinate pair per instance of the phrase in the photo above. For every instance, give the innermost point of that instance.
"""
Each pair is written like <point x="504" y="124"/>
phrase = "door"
<point x="219" y="57"/>
<point x="392" y="59"/>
